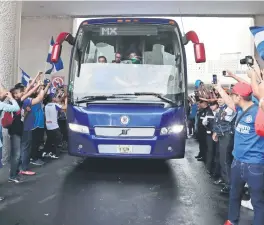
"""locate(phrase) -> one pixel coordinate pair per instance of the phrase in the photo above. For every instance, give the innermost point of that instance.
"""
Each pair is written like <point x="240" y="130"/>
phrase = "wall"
<point x="36" y="33"/>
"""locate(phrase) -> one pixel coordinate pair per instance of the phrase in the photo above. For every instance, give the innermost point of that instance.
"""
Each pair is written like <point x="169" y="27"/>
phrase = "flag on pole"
<point x="258" y="33"/>
<point x="55" y="67"/>
<point x="24" y="78"/>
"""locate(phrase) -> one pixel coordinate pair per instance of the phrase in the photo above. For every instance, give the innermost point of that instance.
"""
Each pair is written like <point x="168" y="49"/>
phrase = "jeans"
<point x="226" y="144"/>
<point x="15" y="153"/>
<point x="253" y="175"/>
<point x="1" y="165"/>
<point x="1" y="148"/>
<point x="25" y="149"/>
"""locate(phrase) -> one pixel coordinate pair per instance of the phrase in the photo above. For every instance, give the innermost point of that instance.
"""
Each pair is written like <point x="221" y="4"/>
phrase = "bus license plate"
<point x="124" y="149"/>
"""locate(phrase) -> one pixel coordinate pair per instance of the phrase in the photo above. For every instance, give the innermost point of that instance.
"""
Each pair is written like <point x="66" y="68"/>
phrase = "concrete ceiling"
<point x="169" y="8"/>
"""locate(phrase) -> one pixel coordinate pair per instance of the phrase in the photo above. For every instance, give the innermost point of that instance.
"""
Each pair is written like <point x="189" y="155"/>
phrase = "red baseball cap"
<point x="242" y="89"/>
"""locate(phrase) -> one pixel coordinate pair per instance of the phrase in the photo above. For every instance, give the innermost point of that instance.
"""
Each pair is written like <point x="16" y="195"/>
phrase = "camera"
<point x="248" y="60"/>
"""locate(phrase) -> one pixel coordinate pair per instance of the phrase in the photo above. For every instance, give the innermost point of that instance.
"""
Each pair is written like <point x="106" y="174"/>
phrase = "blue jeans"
<point x="25" y="149"/>
<point x="253" y="175"/>
<point x="1" y="158"/>
<point x="15" y="153"/>
<point x="1" y="148"/>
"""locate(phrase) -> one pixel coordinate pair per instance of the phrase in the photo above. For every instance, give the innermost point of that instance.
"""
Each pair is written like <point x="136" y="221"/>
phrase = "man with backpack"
<point x="248" y="164"/>
<point x="5" y="107"/>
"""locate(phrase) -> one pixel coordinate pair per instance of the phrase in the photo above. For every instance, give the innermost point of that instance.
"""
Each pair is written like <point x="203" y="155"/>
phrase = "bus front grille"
<point x="124" y="131"/>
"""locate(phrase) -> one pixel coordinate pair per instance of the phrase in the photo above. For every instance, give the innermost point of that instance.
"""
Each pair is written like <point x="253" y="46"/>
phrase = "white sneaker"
<point x="247" y="204"/>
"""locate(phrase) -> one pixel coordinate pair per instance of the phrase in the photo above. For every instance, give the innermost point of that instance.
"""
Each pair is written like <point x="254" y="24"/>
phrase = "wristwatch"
<point x="261" y="101"/>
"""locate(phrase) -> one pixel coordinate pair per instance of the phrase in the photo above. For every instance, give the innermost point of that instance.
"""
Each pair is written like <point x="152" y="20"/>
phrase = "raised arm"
<point x="235" y="77"/>
<point x="39" y="98"/>
<point x="33" y="82"/>
<point x="14" y="107"/>
<point x="33" y="90"/>
<point x="227" y="99"/>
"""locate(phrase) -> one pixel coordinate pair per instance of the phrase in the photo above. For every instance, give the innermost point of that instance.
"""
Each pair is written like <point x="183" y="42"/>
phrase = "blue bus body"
<point x="128" y="129"/>
<point x="145" y="145"/>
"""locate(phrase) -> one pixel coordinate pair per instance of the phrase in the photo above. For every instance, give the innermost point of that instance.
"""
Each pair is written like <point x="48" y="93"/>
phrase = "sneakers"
<point x="27" y="173"/>
<point x="247" y="204"/>
<point x="228" y="223"/>
<point x="219" y="182"/>
<point x="225" y="190"/>
<point x="53" y="156"/>
<point x="49" y="155"/>
<point x="2" y="198"/>
<point x="16" y="180"/>
<point x="37" y="162"/>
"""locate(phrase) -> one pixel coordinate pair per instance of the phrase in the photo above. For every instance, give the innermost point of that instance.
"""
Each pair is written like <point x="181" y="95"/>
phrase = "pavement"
<point x="73" y="191"/>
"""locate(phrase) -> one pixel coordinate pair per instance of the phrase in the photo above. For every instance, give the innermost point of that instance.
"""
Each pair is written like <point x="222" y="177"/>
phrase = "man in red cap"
<point x="248" y="164"/>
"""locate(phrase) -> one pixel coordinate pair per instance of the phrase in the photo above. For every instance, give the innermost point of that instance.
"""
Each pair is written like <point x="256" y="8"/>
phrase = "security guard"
<point x="208" y="122"/>
<point x="204" y="110"/>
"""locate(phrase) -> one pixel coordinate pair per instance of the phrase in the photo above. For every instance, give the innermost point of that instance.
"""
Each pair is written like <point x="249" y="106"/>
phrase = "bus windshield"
<point x="127" y="58"/>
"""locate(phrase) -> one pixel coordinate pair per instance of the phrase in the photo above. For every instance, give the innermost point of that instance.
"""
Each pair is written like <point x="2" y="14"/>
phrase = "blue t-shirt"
<point x="28" y="116"/>
<point x="248" y="146"/>
<point x="38" y="116"/>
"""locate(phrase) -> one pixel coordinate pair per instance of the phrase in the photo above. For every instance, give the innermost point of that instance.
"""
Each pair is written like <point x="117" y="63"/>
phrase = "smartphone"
<point x="224" y="73"/>
<point x="214" y="79"/>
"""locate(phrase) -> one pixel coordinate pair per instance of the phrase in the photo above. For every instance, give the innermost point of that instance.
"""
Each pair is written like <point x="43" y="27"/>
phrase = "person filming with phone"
<point x="248" y="164"/>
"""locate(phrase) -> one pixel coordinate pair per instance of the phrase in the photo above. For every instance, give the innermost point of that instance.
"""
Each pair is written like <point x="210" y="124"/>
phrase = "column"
<point x="10" y="23"/>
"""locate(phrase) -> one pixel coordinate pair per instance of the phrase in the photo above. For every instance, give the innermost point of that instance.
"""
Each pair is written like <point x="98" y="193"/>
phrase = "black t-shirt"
<point x="17" y="126"/>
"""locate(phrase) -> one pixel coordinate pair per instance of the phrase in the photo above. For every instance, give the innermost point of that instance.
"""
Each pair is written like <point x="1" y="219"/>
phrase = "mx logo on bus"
<point x="108" y="31"/>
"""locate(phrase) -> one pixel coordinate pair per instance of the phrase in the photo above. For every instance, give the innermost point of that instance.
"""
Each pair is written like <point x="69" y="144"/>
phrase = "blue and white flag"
<point x="55" y="67"/>
<point x="24" y="78"/>
<point x="258" y="33"/>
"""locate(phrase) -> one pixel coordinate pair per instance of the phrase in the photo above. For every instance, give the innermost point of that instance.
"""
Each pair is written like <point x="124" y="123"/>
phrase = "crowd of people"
<point x="223" y="121"/>
<point x="36" y="122"/>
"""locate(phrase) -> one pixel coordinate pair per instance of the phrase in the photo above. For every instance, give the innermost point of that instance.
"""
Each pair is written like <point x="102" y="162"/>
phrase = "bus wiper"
<point x="151" y="94"/>
<point x="98" y="98"/>
<point x="94" y="98"/>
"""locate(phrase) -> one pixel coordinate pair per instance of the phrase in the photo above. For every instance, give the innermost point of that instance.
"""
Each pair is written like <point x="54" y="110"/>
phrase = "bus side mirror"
<point x="56" y="52"/>
<point x="199" y="53"/>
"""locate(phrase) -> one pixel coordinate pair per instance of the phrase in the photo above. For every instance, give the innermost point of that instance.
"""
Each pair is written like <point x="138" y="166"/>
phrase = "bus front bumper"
<point x="160" y="147"/>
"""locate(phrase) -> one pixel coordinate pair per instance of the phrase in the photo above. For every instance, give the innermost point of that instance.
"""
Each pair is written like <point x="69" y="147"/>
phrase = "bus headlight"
<point x="79" y="128"/>
<point x="175" y="129"/>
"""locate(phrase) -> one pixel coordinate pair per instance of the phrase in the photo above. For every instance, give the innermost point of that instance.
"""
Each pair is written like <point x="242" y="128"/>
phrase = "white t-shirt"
<point x="51" y="114"/>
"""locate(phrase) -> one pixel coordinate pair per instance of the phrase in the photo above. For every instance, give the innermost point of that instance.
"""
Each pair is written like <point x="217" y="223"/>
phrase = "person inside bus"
<point x="117" y="58"/>
<point x="135" y="58"/>
<point x="102" y="59"/>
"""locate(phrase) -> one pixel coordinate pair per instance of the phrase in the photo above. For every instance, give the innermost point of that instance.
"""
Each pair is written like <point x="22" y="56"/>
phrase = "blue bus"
<point x="127" y="87"/>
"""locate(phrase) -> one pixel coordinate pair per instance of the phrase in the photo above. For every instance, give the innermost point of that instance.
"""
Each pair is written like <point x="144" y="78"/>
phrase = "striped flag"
<point x="55" y="67"/>
<point x="258" y="33"/>
<point x="24" y="78"/>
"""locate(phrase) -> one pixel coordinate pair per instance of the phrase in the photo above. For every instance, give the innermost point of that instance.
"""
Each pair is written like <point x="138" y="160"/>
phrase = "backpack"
<point x="259" y="123"/>
<point x="7" y="119"/>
